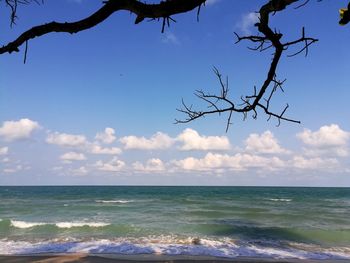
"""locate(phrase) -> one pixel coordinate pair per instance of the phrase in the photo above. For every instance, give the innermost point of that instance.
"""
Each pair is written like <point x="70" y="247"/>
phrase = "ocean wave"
<point x="280" y="199"/>
<point x="25" y="224"/>
<point x="80" y="224"/>
<point x="202" y="247"/>
<point x="114" y="201"/>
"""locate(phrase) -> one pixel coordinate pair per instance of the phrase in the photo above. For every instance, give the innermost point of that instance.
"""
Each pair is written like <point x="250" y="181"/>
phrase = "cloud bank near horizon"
<point x="189" y="152"/>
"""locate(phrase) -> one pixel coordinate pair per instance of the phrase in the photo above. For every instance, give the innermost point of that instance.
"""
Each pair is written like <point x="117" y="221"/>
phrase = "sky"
<point x="98" y="107"/>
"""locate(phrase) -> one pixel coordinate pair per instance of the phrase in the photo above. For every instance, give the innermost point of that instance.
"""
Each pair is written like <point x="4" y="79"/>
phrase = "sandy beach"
<point x="88" y="258"/>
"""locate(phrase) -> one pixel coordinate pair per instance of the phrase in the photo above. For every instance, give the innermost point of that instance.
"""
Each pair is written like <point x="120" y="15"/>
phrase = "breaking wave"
<point x="25" y="224"/>
<point x="114" y="201"/>
<point x="169" y="246"/>
<point x="280" y="199"/>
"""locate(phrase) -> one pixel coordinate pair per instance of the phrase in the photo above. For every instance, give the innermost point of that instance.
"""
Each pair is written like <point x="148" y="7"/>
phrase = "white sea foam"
<point x="114" y="201"/>
<point x="80" y="224"/>
<point x="207" y="247"/>
<point x="280" y="199"/>
<point x="24" y="224"/>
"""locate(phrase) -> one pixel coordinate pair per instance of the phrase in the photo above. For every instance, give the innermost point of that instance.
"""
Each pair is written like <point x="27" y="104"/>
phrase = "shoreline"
<point x="146" y="258"/>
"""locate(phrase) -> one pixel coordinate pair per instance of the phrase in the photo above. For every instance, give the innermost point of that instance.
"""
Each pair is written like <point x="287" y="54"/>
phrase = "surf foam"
<point x="114" y="201"/>
<point x="80" y="224"/>
<point x="207" y="247"/>
<point x="280" y="199"/>
<point x="24" y="224"/>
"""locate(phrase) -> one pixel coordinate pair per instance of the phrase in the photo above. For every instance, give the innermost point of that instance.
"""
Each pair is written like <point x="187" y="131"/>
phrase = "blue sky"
<point x="98" y="107"/>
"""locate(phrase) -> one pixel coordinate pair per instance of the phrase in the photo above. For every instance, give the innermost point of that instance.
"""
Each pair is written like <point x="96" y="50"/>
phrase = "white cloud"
<point x="113" y="165"/>
<point x="107" y="137"/>
<point x="15" y="169"/>
<point x="301" y="162"/>
<point x="72" y="156"/>
<point x="247" y="22"/>
<point x="152" y="165"/>
<point x="211" y="2"/>
<point x="57" y="168"/>
<point x="64" y="139"/>
<point x="169" y="37"/>
<point x="264" y="143"/>
<point x="82" y="170"/>
<point x="157" y="142"/>
<point x="9" y="170"/>
<point x="193" y="141"/>
<point x="80" y="141"/>
<point x="5" y="160"/>
<point x="327" y="140"/>
<point x="237" y="162"/>
<point x="4" y="150"/>
<point x="17" y="130"/>
<point x="326" y="136"/>
<point x="331" y="151"/>
<point x="97" y="149"/>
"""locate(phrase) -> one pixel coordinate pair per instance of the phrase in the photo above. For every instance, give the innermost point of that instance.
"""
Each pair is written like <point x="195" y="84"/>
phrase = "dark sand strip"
<point x="83" y="258"/>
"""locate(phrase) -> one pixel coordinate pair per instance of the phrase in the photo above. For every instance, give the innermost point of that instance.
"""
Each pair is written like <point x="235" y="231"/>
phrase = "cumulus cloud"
<point x="17" y="130"/>
<point x="247" y="22"/>
<point x="158" y="141"/>
<point x="4" y="150"/>
<point x="219" y="163"/>
<point x="326" y="136"/>
<point x="80" y="141"/>
<point x="152" y="165"/>
<point x="171" y="38"/>
<point x="72" y="156"/>
<point x="301" y="162"/>
<point x="113" y="165"/>
<point x="264" y="143"/>
<point x="329" y="139"/>
<point x="211" y="2"/>
<point x="9" y="170"/>
<point x="97" y="149"/>
<point x="193" y="141"/>
<point x="17" y="168"/>
<point x="107" y="136"/>
<point x="67" y="140"/>
<point x="238" y="162"/>
<point x="82" y="170"/>
<point x="57" y="168"/>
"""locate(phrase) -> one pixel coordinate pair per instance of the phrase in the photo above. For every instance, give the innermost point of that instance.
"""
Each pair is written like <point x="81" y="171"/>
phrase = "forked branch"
<point x="262" y="96"/>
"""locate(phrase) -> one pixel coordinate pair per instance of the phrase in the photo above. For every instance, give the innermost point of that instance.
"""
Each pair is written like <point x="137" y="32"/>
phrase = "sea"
<point x="227" y="222"/>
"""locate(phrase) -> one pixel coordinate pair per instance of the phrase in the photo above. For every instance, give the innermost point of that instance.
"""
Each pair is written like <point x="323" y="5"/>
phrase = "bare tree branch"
<point x="13" y="5"/>
<point x="165" y="9"/>
<point x="258" y="100"/>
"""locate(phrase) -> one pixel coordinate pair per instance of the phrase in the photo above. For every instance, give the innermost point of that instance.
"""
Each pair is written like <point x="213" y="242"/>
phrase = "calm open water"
<point x="274" y="222"/>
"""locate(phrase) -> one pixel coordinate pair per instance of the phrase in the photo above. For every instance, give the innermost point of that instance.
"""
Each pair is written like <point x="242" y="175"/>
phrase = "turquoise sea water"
<point x="275" y="222"/>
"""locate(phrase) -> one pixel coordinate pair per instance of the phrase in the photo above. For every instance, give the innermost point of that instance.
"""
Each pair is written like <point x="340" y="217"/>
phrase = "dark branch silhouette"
<point x="344" y="15"/>
<point x="164" y="10"/>
<point x="13" y="5"/>
<point x="267" y="39"/>
<point x="261" y="98"/>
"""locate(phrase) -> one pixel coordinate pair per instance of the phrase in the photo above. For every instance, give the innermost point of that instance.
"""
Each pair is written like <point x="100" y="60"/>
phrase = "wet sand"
<point x="88" y="258"/>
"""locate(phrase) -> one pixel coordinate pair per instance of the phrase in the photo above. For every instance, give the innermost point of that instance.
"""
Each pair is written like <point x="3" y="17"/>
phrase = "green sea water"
<point x="277" y="222"/>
